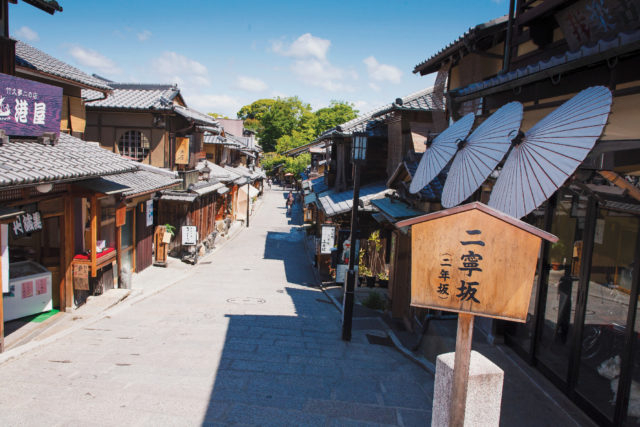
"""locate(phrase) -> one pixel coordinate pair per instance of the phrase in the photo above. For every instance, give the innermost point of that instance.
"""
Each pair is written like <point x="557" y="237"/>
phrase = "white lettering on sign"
<point x="328" y="239"/>
<point x="189" y="235"/>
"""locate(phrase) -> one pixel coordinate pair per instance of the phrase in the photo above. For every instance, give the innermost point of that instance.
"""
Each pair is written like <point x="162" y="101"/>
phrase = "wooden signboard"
<point x="121" y="215"/>
<point x="81" y="276"/>
<point x="182" y="151"/>
<point x="474" y="259"/>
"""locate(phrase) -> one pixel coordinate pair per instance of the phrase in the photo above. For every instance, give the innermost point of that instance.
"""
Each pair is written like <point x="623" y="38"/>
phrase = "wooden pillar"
<point x="68" y="252"/>
<point x="94" y="234"/>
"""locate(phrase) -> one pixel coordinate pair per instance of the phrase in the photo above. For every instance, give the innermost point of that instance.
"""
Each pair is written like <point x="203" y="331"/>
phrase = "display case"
<point x="29" y="290"/>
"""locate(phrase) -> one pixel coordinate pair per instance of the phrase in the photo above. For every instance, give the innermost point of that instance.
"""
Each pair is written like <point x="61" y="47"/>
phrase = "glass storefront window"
<point x="522" y="333"/>
<point x="565" y="257"/>
<point x="633" y="410"/>
<point x="607" y="308"/>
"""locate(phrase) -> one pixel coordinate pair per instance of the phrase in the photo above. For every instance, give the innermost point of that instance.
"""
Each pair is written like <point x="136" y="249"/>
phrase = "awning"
<point x="253" y="191"/>
<point x="103" y="185"/>
<point x="334" y="203"/>
<point x="310" y="198"/>
<point x="9" y="212"/>
<point x="395" y="210"/>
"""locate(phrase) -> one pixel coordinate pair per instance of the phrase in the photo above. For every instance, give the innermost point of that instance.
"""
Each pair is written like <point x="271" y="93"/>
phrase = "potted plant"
<point x="383" y="279"/>
<point x="557" y="255"/>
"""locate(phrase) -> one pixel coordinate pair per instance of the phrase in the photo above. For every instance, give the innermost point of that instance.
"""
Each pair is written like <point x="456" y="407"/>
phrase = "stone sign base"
<point x="484" y="392"/>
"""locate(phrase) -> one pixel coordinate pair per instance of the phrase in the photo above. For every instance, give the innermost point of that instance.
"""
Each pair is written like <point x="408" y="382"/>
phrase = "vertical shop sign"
<point x="328" y="239"/>
<point x="149" y="213"/>
<point x="182" y="151"/>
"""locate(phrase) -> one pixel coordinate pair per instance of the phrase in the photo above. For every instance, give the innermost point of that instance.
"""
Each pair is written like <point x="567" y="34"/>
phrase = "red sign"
<point x="29" y="108"/>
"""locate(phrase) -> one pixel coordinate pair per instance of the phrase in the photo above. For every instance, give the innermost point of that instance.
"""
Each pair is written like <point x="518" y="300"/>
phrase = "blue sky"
<point x="227" y="54"/>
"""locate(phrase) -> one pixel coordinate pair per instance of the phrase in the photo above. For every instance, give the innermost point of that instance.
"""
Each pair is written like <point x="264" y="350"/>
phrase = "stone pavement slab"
<point x="247" y="339"/>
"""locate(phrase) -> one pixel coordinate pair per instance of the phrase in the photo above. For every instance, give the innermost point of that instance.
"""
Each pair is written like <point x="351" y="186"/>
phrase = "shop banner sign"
<point x="182" y="151"/>
<point x="26" y="224"/>
<point x="149" y="213"/>
<point x="328" y="239"/>
<point x="29" y="108"/>
<point x="189" y="235"/>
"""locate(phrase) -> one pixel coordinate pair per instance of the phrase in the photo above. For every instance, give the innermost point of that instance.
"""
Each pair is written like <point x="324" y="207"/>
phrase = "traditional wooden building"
<point x="148" y="123"/>
<point x="582" y="328"/>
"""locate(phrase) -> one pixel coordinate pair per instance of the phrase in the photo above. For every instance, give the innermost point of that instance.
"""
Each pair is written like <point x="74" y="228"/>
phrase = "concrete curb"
<point x="421" y="361"/>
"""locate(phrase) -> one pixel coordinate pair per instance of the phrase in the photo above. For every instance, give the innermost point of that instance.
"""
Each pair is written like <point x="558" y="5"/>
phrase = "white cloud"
<point x="95" y="60"/>
<point x="382" y="72"/>
<point x="374" y="87"/>
<point x="187" y="73"/>
<point x="215" y="103"/>
<point x="144" y="35"/>
<point x="311" y="66"/>
<point x="305" y="46"/>
<point x="251" y="84"/>
<point x="26" y="33"/>
<point x="322" y="74"/>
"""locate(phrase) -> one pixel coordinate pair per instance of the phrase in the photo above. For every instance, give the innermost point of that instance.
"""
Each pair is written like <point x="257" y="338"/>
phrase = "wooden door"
<point x="144" y="238"/>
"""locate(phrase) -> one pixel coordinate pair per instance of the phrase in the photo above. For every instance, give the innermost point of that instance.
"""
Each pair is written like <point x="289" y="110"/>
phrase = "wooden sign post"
<point x="473" y="260"/>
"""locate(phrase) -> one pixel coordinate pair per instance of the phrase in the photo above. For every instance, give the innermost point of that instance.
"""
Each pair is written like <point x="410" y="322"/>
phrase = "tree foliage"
<point x="282" y="124"/>
<point x="285" y="123"/>
<point x="336" y="113"/>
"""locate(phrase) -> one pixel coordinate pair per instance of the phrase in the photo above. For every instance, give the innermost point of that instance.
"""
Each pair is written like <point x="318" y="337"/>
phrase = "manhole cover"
<point x="247" y="301"/>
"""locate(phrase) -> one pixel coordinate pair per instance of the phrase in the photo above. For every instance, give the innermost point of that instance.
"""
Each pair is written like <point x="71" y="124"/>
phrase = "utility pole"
<point x="358" y="156"/>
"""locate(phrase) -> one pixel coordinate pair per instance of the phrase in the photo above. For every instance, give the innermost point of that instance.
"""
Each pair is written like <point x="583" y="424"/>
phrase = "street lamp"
<point x="206" y="172"/>
<point x="358" y="156"/>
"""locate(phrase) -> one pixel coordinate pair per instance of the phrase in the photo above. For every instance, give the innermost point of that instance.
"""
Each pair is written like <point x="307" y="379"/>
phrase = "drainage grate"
<point x="246" y="301"/>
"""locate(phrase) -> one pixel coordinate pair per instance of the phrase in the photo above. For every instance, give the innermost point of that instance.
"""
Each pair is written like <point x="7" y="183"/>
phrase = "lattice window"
<point x="134" y="144"/>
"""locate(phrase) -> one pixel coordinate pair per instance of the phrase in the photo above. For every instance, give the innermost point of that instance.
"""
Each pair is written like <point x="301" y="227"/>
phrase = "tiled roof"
<point x="24" y="162"/>
<point x="178" y="196"/>
<point x="134" y="96"/>
<point x="49" y="6"/>
<point x="622" y="43"/>
<point x="336" y="203"/>
<point x="219" y="140"/>
<point x="143" y="181"/>
<point x="432" y="191"/>
<point x="319" y="185"/>
<point x="243" y="171"/>
<point x="195" y="116"/>
<point x="29" y="57"/>
<point x="205" y="187"/>
<point x="218" y="172"/>
<point x="418" y="101"/>
<point x="430" y="65"/>
<point x="395" y="210"/>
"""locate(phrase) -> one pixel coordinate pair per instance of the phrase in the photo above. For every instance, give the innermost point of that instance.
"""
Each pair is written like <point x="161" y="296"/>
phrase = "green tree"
<point x="274" y="118"/>
<point x="270" y="160"/>
<point x="336" y="113"/>
<point x="217" y="116"/>
<point x="297" y="165"/>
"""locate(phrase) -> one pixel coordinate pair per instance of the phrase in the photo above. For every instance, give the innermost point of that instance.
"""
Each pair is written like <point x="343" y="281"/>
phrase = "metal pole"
<point x="248" y="184"/>
<point x="349" y="289"/>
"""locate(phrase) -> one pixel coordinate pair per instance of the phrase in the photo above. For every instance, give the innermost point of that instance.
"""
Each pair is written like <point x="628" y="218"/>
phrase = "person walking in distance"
<point x="290" y="201"/>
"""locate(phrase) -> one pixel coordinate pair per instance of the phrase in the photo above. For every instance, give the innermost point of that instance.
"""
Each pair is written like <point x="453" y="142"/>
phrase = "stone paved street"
<point x="246" y="338"/>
